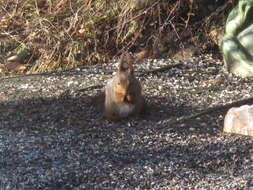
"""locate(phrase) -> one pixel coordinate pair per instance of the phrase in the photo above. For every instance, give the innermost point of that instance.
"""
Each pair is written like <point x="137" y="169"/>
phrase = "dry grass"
<point x="63" y="34"/>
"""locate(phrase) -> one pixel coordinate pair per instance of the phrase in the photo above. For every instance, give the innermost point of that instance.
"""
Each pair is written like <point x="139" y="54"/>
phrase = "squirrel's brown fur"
<point x="123" y="93"/>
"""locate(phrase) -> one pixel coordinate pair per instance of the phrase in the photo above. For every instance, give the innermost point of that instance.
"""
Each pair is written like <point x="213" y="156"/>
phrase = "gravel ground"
<point x="53" y="135"/>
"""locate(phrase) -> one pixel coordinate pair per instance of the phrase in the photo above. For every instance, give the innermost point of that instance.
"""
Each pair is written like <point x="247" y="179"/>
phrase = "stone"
<point x="239" y="120"/>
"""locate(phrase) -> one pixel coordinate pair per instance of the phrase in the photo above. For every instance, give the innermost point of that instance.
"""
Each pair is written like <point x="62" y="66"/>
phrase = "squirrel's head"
<point x="124" y="75"/>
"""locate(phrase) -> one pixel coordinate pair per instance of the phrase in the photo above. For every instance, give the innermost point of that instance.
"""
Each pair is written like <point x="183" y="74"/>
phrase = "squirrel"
<point x="123" y="92"/>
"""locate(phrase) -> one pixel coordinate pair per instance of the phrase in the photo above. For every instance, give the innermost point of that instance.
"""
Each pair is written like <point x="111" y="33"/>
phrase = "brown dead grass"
<point x="63" y="34"/>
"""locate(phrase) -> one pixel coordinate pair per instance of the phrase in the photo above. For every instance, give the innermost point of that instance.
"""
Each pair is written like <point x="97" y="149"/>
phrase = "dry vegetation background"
<point x="61" y="34"/>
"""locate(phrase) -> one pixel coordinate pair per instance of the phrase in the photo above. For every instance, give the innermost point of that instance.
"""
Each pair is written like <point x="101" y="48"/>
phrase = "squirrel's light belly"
<point x="125" y="109"/>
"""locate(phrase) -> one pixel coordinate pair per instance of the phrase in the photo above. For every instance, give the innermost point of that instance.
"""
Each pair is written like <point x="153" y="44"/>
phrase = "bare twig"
<point x="135" y="17"/>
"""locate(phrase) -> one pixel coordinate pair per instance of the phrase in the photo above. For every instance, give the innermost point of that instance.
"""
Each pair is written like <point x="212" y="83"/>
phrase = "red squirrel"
<point x="123" y="93"/>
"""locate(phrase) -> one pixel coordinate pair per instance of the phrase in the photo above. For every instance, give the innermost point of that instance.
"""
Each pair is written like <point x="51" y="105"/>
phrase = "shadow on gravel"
<point x="49" y="155"/>
<point x="49" y="114"/>
<point x="82" y="111"/>
<point x="162" y="108"/>
<point x="210" y="158"/>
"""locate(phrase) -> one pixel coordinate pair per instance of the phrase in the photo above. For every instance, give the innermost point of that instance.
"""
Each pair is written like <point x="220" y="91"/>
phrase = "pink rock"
<point x="239" y="120"/>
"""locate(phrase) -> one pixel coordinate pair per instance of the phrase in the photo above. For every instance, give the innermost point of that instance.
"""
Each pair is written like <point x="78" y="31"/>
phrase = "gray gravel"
<point x="53" y="135"/>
